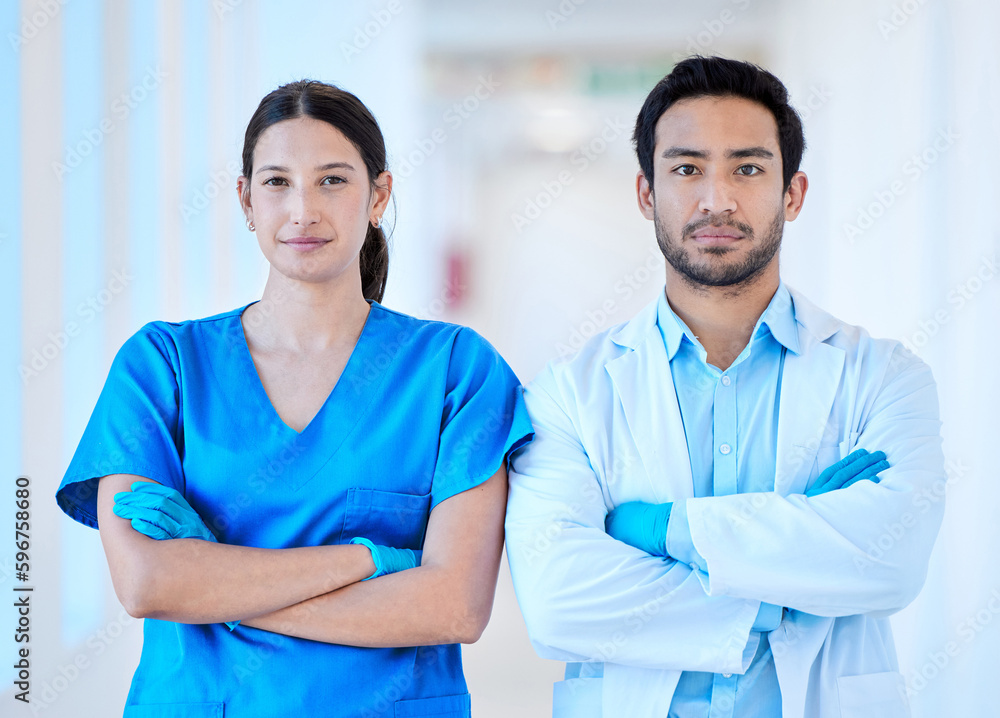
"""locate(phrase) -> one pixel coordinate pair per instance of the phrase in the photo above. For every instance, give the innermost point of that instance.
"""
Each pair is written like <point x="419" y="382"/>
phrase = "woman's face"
<point x="311" y="201"/>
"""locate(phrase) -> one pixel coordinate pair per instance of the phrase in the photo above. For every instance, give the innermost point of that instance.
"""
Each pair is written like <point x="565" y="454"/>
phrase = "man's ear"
<point x="644" y="195"/>
<point x="795" y="195"/>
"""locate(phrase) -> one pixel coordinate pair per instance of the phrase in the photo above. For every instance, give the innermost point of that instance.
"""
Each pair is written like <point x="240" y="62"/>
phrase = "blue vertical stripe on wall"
<point x="199" y="190"/>
<point x="86" y="290"/>
<point x="243" y="27"/>
<point x="10" y="296"/>
<point x="140" y="112"/>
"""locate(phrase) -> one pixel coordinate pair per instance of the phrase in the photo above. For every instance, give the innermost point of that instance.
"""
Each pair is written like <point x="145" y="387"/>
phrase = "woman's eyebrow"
<point x="319" y="168"/>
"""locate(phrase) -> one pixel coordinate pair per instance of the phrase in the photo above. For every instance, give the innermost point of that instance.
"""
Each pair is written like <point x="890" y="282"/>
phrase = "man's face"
<point x="717" y="199"/>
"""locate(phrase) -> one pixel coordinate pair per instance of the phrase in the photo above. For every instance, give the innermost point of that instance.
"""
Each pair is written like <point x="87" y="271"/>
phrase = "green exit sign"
<point x="626" y="79"/>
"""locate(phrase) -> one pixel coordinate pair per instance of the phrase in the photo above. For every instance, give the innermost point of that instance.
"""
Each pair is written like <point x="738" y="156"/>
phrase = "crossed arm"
<point x="584" y="594"/>
<point x="317" y="592"/>
<point x="645" y="526"/>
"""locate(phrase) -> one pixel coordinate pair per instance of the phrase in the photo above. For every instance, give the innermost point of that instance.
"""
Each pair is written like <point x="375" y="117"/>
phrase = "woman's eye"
<point x="274" y="181"/>
<point x="748" y="170"/>
<point x="333" y="180"/>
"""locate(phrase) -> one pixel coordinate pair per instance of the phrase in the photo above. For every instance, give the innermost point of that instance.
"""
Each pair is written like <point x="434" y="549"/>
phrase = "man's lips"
<point x="716" y="235"/>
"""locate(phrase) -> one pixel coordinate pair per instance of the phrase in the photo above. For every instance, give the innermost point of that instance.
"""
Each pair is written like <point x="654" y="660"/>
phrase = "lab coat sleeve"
<point x="681" y="547"/>
<point x="588" y="597"/>
<point x="860" y="550"/>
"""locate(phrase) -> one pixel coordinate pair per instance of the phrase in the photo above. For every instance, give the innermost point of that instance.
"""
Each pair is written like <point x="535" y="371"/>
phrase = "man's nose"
<point x="717" y="196"/>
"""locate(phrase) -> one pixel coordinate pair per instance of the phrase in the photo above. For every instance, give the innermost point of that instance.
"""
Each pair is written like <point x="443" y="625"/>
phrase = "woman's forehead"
<point x="303" y="139"/>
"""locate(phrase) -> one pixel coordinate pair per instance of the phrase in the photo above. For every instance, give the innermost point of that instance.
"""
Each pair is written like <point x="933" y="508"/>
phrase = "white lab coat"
<point x="608" y="430"/>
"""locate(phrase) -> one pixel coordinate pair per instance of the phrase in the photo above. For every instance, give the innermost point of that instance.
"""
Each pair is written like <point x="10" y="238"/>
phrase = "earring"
<point x="378" y="222"/>
<point x="250" y="225"/>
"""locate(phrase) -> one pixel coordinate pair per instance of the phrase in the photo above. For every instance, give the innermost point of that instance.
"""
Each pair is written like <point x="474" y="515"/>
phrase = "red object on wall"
<point x="456" y="278"/>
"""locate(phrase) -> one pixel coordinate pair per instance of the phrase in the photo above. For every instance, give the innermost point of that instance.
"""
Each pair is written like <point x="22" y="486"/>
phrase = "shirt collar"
<point x="672" y="327"/>
<point x="778" y="319"/>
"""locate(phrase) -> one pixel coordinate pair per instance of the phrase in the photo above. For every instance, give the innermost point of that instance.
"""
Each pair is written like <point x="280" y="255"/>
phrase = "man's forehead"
<point x="716" y="124"/>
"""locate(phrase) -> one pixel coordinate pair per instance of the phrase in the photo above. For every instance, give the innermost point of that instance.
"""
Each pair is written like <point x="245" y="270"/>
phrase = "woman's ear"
<point x="243" y="195"/>
<point x="381" y="192"/>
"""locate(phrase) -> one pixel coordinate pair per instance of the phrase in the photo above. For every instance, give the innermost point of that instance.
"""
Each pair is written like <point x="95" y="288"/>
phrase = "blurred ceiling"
<point x="622" y="26"/>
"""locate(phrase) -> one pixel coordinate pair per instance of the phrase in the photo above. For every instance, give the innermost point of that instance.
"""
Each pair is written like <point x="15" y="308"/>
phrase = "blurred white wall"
<point x="508" y="128"/>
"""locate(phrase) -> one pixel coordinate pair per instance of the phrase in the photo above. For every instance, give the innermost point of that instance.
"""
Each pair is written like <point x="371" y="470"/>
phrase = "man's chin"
<point x="718" y="250"/>
<point x="729" y="275"/>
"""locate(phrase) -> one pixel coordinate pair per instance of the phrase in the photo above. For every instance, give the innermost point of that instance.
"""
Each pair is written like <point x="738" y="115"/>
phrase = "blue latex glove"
<point x="641" y="525"/>
<point x="858" y="466"/>
<point x="161" y="513"/>
<point x="388" y="559"/>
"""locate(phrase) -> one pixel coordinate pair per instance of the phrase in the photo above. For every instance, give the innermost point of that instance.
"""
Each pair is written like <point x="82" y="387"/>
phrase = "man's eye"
<point x="748" y="170"/>
<point x="686" y="170"/>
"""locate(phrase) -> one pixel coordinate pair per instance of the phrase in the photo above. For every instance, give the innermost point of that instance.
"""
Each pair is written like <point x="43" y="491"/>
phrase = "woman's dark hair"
<point x="308" y="98"/>
<point x="718" y="77"/>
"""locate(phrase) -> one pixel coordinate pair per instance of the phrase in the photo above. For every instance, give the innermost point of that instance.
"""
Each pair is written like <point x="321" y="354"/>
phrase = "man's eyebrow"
<point x="672" y="152"/>
<point x="320" y="168"/>
<point x="750" y="152"/>
<point x="743" y="152"/>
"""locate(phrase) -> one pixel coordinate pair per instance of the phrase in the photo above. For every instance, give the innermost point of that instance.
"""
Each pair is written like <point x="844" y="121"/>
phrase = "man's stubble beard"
<point x="721" y="274"/>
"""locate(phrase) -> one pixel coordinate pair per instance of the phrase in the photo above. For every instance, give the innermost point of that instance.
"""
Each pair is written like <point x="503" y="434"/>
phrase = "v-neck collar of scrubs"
<point x="348" y="401"/>
<point x="266" y="405"/>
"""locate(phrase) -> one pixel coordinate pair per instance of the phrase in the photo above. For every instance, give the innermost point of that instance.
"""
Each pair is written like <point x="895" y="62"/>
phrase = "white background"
<point x="122" y="122"/>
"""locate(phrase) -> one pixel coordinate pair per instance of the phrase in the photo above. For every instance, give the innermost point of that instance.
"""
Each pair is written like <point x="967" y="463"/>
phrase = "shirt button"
<point x="726" y="381"/>
<point x="727" y="675"/>
<point x="725" y="449"/>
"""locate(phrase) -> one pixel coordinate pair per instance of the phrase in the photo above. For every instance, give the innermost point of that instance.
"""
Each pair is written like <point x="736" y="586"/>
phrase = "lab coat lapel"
<point x="644" y="386"/>
<point x="795" y="645"/>
<point x="808" y="389"/>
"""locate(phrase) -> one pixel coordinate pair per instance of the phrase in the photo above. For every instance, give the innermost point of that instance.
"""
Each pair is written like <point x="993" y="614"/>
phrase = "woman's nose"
<point x="304" y="209"/>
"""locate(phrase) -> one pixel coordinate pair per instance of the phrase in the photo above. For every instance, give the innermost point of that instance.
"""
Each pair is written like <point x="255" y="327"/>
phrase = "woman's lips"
<point x="305" y="244"/>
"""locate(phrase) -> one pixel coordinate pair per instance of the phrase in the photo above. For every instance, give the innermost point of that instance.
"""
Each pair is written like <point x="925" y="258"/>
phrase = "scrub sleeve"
<point x="485" y="417"/>
<point x="134" y="429"/>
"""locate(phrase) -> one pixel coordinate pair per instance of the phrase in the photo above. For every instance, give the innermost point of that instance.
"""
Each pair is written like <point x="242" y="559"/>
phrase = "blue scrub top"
<point x="422" y="411"/>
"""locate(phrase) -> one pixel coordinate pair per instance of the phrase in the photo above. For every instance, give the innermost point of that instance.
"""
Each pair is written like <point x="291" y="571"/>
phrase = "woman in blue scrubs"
<point x="280" y="432"/>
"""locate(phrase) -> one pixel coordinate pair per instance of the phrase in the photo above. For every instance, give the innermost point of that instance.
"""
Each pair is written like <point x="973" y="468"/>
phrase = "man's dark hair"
<point x="718" y="77"/>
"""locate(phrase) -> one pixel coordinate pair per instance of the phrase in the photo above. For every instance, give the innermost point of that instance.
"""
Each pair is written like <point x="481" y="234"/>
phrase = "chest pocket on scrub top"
<point x="386" y="518"/>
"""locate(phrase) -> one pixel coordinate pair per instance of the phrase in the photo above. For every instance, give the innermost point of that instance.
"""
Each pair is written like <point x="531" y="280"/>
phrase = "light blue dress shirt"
<point x="731" y="424"/>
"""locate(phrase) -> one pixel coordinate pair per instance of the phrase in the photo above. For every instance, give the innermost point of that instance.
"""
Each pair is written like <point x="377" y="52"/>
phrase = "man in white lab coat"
<point x="667" y="533"/>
